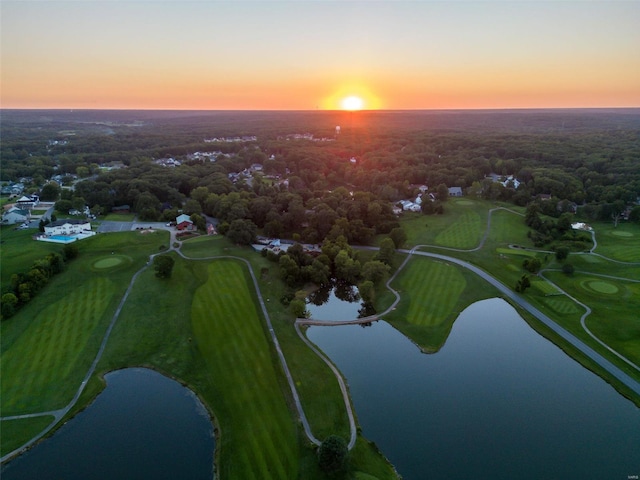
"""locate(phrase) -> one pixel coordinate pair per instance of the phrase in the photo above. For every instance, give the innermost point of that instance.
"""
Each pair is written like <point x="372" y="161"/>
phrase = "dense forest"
<point x="296" y="173"/>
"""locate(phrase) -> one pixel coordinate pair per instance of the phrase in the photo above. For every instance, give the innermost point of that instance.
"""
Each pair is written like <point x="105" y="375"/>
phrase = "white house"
<point x="409" y="206"/>
<point x="16" y="215"/>
<point x="455" y="191"/>
<point x="511" y="181"/>
<point x="28" y="201"/>
<point x="67" y="226"/>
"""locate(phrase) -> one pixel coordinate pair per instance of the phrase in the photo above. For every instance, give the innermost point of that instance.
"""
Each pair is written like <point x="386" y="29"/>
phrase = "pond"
<point x="498" y="401"/>
<point x="335" y="302"/>
<point x="143" y="425"/>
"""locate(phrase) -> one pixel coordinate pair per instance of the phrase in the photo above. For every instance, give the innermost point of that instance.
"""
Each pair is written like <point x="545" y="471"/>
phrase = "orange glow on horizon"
<point x="352" y="103"/>
<point x="352" y="97"/>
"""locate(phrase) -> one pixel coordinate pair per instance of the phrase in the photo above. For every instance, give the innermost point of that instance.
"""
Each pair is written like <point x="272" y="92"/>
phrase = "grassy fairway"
<point x="19" y="251"/>
<point x="16" y="432"/>
<point x="258" y="437"/>
<point x="461" y="226"/>
<point x="615" y="305"/>
<point x="464" y="233"/>
<point x="41" y="364"/>
<point x="433" y="294"/>
<point x="621" y="243"/>
<point x="119" y="217"/>
<point x="47" y="347"/>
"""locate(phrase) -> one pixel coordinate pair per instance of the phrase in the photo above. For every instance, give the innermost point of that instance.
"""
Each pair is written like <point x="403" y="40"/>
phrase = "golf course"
<point x="204" y="327"/>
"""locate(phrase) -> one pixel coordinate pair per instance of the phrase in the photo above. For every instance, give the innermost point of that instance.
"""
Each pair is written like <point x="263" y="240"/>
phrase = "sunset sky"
<point x="307" y="55"/>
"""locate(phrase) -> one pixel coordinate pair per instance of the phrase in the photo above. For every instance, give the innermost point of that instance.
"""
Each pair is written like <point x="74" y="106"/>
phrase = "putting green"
<point x="600" y="286"/>
<point x="108" y="262"/>
<point x="619" y="233"/>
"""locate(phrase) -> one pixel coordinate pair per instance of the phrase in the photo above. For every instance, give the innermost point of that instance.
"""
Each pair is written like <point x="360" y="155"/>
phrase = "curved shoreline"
<point x="506" y="291"/>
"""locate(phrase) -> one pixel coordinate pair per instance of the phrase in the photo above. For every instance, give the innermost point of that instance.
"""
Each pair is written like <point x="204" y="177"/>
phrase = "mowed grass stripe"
<point x="465" y="232"/>
<point x="435" y="288"/>
<point x="253" y="412"/>
<point x="49" y="351"/>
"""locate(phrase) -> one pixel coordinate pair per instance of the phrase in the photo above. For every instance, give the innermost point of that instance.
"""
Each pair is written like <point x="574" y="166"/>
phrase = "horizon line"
<point x="70" y="109"/>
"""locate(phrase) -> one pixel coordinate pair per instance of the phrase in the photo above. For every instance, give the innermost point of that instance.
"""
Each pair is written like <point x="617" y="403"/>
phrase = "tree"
<point x="442" y="192"/>
<point x="375" y="271"/>
<point x="398" y="236"/>
<point x="332" y="454"/>
<point x="50" y="192"/>
<point x="532" y="264"/>
<point x="63" y="206"/>
<point x="299" y="308"/>
<point x="69" y="251"/>
<point x="242" y="232"/>
<point x="522" y="284"/>
<point x="199" y="222"/>
<point x="562" y="253"/>
<point x="367" y="291"/>
<point x="386" y="252"/>
<point x="163" y="265"/>
<point x="9" y="303"/>
<point x="346" y="268"/>
<point x="192" y="206"/>
<point x="567" y="269"/>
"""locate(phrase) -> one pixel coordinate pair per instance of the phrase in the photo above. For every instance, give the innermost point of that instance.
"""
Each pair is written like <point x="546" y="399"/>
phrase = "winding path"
<point x="60" y="413"/>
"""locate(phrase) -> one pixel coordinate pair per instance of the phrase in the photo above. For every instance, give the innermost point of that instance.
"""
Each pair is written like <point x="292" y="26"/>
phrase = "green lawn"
<point x="49" y="361"/>
<point x="621" y="243"/>
<point x="119" y="217"/>
<point x="464" y="233"/>
<point x="614" y="317"/>
<point x="461" y="226"/>
<point x="19" y="251"/>
<point x="433" y="294"/>
<point x="15" y="432"/>
<point x="258" y="436"/>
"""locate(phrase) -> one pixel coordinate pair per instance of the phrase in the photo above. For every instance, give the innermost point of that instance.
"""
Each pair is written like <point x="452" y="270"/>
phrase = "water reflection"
<point x="498" y="401"/>
<point x="143" y="425"/>
<point x="335" y="301"/>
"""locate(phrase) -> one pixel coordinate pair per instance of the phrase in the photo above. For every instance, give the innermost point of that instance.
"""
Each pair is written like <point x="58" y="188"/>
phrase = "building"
<point x="455" y="191"/>
<point x="28" y="201"/>
<point x="16" y="215"/>
<point x="67" y="226"/>
<point x="183" y="222"/>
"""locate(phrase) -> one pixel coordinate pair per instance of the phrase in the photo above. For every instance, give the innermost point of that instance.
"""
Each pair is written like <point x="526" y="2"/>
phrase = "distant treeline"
<point x="586" y="158"/>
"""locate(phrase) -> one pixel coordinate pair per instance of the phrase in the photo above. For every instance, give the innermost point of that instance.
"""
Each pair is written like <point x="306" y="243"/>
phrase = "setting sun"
<point x="352" y="103"/>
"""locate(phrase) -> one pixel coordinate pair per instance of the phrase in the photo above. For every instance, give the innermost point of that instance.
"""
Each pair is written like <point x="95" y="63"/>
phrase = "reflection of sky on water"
<point x="497" y="401"/>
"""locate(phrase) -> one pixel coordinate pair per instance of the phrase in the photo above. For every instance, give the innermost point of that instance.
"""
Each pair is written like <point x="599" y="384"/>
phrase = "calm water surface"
<point x="331" y="306"/>
<point x="142" y="426"/>
<point x="497" y="402"/>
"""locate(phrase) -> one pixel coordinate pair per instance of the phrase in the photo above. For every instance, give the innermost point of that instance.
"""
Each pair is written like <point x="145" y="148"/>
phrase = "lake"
<point x="335" y="301"/>
<point x="143" y="426"/>
<point x="498" y="401"/>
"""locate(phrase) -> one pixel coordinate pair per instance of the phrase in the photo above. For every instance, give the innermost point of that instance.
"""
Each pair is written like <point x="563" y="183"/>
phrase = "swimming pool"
<point x="65" y="238"/>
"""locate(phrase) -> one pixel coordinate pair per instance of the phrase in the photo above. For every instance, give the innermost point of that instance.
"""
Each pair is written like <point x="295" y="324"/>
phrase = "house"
<point x="183" y="222"/>
<point x="511" y="181"/>
<point x="409" y="206"/>
<point x="121" y="209"/>
<point x="67" y="226"/>
<point x="455" y="191"/>
<point x="28" y="201"/>
<point x="16" y="215"/>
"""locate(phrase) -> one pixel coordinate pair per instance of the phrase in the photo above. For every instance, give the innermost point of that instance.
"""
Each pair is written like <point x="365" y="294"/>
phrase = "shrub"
<point x="332" y="454"/>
